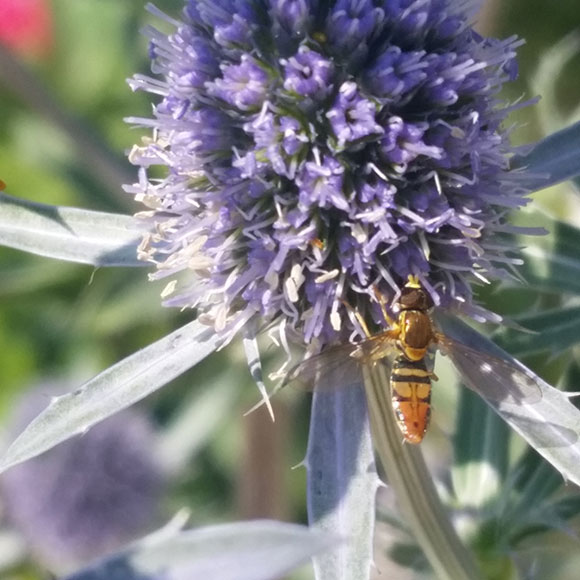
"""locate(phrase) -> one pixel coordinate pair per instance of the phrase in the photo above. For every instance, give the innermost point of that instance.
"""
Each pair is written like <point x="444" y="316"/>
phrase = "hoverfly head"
<point x="413" y="297"/>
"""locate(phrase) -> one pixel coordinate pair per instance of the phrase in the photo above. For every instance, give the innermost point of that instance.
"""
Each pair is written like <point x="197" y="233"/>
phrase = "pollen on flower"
<point x="169" y="289"/>
<point x="312" y="152"/>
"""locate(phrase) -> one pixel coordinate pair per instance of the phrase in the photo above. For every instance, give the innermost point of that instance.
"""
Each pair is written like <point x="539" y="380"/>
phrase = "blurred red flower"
<point x="26" y="27"/>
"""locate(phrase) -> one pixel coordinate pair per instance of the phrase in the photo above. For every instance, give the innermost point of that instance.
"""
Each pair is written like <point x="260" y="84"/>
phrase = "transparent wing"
<point x="340" y="366"/>
<point x="489" y="376"/>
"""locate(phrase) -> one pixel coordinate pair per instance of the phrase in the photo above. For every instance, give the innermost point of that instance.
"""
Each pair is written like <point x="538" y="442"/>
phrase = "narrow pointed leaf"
<point x="535" y="479"/>
<point x="255" y="365"/>
<point x="554" y="159"/>
<point x="86" y="237"/>
<point x="481" y="452"/>
<point x="567" y="507"/>
<point x="552" y="262"/>
<point x="550" y="425"/>
<point x="556" y="330"/>
<point x="255" y="550"/>
<point x="545" y="81"/>
<point x="535" y="482"/>
<point x="123" y="384"/>
<point x="342" y="482"/>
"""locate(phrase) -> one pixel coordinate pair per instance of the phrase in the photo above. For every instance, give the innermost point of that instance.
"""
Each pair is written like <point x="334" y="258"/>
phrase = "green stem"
<point x="413" y="486"/>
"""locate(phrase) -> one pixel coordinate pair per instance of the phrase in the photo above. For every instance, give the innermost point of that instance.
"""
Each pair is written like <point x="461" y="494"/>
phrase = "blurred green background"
<point x="63" y="141"/>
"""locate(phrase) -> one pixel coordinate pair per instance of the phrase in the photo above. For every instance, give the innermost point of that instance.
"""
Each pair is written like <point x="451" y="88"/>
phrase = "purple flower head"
<point x="313" y="151"/>
<point x="88" y="496"/>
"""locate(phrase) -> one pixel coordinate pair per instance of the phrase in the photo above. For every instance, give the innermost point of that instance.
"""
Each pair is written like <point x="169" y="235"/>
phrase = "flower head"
<point x="313" y="152"/>
<point x="88" y="496"/>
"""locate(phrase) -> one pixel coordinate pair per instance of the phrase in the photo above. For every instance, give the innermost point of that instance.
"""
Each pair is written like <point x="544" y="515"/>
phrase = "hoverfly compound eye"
<point x="413" y="297"/>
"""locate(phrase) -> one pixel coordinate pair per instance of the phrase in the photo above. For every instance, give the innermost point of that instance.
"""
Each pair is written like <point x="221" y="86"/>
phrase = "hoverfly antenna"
<point x="413" y="282"/>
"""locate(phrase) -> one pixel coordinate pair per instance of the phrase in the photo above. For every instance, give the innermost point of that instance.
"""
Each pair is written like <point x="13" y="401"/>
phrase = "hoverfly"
<point x="404" y="348"/>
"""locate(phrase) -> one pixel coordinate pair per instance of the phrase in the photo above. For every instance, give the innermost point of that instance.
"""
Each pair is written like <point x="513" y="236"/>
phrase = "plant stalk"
<point x="413" y="486"/>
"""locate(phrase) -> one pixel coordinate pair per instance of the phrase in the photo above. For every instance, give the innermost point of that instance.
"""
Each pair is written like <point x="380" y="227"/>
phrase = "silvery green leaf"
<point x="342" y="480"/>
<point x="255" y="365"/>
<point x="254" y="550"/>
<point x="481" y="452"/>
<point x="535" y="482"/>
<point x="121" y="385"/>
<point x="550" y="424"/>
<point x="87" y="237"/>
<point x="552" y="263"/>
<point x="539" y="515"/>
<point x="567" y="507"/>
<point x="554" y="159"/>
<point x="552" y="63"/>
<point x="555" y="331"/>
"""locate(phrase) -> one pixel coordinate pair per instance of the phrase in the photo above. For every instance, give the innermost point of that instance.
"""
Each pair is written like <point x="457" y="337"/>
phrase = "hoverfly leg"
<point x="358" y="317"/>
<point x="381" y="300"/>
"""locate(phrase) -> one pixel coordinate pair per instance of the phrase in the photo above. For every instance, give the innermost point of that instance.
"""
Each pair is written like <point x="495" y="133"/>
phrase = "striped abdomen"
<point x="411" y="397"/>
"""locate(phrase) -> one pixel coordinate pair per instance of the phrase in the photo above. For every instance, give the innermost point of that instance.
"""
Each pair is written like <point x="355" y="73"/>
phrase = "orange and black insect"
<point x="404" y="347"/>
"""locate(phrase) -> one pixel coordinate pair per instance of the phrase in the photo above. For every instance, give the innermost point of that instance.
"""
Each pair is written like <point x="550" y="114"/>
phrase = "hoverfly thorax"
<point x="415" y="330"/>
